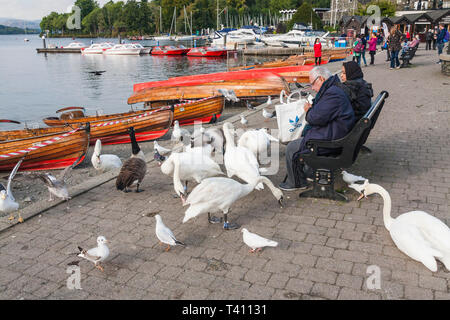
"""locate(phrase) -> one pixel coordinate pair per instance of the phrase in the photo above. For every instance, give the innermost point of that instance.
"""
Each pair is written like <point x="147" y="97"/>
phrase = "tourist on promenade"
<point x="428" y="39"/>
<point x="363" y="50"/>
<point x="435" y="34"/>
<point x="372" y="48"/>
<point x="330" y="117"/>
<point x="318" y="52"/>
<point x="357" y="46"/>
<point x="395" y="38"/>
<point x="358" y="90"/>
<point x="440" y="40"/>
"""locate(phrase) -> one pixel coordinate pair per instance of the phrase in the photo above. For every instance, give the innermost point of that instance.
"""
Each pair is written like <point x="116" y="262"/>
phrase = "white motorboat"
<point x="123" y="49"/>
<point x="238" y="37"/>
<point x="143" y="49"/>
<point x="295" y="38"/>
<point x="76" y="45"/>
<point x="97" y="48"/>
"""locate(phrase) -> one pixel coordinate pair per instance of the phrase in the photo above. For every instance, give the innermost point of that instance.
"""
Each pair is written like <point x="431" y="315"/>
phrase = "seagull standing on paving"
<point x="269" y="115"/>
<point x="97" y="254"/>
<point x="244" y="121"/>
<point x="165" y="235"/>
<point x="255" y="241"/>
<point x="269" y="100"/>
<point x="8" y="203"/>
<point x="161" y="150"/>
<point x="351" y="178"/>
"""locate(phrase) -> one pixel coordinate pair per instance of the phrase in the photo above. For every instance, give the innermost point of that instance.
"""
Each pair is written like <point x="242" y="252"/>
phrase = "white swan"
<point x="218" y="194"/>
<point x="104" y="162"/>
<point x="416" y="233"/>
<point x="257" y="141"/>
<point x="8" y="203"/>
<point x="189" y="166"/>
<point x="239" y="161"/>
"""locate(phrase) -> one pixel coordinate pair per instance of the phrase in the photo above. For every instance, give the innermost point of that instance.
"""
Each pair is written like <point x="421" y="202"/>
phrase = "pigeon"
<point x="159" y="158"/>
<point x="97" y="254"/>
<point x="243" y="120"/>
<point x="351" y="178"/>
<point x="165" y="235"/>
<point x="249" y="105"/>
<point x="8" y="203"/>
<point x="268" y="115"/>
<point x="255" y="241"/>
<point x="229" y="95"/>
<point x="161" y="150"/>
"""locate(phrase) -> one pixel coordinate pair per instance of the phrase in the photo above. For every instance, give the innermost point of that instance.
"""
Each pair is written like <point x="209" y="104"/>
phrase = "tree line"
<point x="154" y="17"/>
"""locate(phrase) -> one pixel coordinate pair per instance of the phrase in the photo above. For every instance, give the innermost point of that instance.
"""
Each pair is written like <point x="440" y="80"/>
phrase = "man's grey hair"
<point x="320" y="71"/>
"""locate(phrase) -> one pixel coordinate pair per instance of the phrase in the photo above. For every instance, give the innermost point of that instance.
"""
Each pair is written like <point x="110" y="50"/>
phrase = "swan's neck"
<point x="228" y="137"/>
<point x="261" y="179"/>
<point x="386" y="205"/>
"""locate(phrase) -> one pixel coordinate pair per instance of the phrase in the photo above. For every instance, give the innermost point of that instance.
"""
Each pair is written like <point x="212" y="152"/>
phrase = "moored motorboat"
<point x="76" y="45"/>
<point x="169" y="50"/>
<point x="207" y="52"/>
<point x="144" y="50"/>
<point x="97" y="48"/>
<point x="44" y="148"/>
<point x="123" y="49"/>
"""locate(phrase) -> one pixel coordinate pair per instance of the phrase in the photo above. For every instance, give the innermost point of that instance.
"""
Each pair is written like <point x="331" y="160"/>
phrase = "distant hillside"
<point x="14" y="30"/>
<point x="29" y="24"/>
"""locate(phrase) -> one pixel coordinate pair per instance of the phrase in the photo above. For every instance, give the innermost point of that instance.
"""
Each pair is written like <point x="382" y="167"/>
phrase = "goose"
<point x="161" y="150"/>
<point x="189" y="166"/>
<point x="97" y="254"/>
<point x="416" y="233"/>
<point x="244" y="121"/>
<point x="104" y="162"/>
<point x="268" y="115"/>
<point x="256" y="242"/>
<point x="257" y="141"/>
<point x="218" y="194"/>
<point x="134" y="169"/>
<point x="239" y="161"/>
<point x="179" y="134"/>
<point x="165" y="235"/>
<point x="351" y="178"/>
<point x="8" y="203"/>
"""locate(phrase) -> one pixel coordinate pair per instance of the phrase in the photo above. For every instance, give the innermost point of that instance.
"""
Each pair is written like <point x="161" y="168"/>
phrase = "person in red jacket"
<point x="372" y="47"/>
<point x="318" y="52"/>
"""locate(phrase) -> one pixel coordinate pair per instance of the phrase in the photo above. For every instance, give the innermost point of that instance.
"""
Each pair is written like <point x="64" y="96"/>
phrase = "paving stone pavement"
<point x="325" y="247"/>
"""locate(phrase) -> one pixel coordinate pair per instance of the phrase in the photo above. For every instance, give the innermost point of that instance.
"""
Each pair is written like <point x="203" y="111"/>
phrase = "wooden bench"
<point x="347" y="150"/>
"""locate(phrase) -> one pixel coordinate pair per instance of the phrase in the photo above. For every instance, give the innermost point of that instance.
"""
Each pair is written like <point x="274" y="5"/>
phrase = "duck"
<point x="269" y="115"/>
<point x="179" y="134"/>
<point x="256" y="242"/>
<point x="134" y="169"/>
<point x="8" y="203"/>
<point x="238" y="160"/>
<point x="417" y="234"/>
<point x="257" y="141"/>
<point x="97" y="254"/>
<point x="189" y="166"/>
<point x="165" y="235"/>
<point x="217" y="194"/>
<point x="104" y="162"/>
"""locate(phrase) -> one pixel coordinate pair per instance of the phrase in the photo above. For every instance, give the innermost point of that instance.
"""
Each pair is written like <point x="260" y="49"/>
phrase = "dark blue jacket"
<point x="331" y="116"/>
<point x="441" y="36"/>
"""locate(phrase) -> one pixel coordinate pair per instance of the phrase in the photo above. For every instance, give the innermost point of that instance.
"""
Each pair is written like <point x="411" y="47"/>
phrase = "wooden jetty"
<point x="58" y="50"/>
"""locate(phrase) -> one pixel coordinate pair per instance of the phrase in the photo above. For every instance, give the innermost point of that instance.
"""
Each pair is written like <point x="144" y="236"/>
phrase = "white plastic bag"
<point x="290" y="117"/>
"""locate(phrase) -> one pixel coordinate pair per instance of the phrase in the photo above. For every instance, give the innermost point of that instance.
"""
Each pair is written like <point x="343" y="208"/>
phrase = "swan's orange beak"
<point x="362" y="196"/>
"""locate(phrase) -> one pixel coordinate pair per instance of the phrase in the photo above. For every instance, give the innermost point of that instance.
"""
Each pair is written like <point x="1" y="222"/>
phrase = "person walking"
<point x="435" y="34"/>
<point x="440" y="40"/>
<point x="357" y="46"/>
<point x="395" y="38"/>
<point x="317" y="52"/>
<point x="428" y="39"/>
<point x="372" y="48"/>
<point x="363" y="50"/>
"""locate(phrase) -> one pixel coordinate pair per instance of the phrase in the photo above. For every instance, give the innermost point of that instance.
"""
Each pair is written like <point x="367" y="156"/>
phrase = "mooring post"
<point x="43" y="40"/>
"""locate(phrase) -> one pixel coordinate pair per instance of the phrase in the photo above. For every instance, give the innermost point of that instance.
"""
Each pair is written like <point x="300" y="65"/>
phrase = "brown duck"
<point x="133" y="170"/>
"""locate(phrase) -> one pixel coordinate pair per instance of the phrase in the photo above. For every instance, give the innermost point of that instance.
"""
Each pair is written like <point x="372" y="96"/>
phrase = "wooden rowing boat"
<point x="112" y="129"/>
<point x="43" y="149"/>
<point x="270" y="85"/>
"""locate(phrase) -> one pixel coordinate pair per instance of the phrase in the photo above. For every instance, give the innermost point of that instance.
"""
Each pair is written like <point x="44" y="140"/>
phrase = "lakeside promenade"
<point x="325" y="247"/>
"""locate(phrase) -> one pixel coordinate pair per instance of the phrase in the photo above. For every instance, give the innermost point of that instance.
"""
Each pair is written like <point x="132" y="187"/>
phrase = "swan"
<point x="134" y="169"/>
<point x="189" y="166"/>
<point x="416" y="233"/>
<point x="104" y="162"/>
<point x="218" y="194"/>
<point x="257" y="141"/>
<point x="239" y="161"/>
<point x="8" y="203"/>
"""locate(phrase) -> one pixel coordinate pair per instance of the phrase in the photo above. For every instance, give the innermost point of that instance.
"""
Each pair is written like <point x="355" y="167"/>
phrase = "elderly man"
<point x="330" y="117"/>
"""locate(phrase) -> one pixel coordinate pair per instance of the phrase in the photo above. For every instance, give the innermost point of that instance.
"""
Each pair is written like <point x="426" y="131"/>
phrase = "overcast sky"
<point x="34" y="9"/>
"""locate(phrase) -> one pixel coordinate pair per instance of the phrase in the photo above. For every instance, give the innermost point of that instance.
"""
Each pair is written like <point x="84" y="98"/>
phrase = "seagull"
<point x="165" y="235"/>
<point x="269" y="100"/>
<point x="161" y="150"/>
<point x="229" y="95"/>
<point x="268" y="115"/>
<point x="8" y="203"/>
<point x="255" y="241"/>
<point x="179" y="134"/>
<point x="97" y="254"/>
<point x="243" y="120"/>
<point x="351" y="178"/>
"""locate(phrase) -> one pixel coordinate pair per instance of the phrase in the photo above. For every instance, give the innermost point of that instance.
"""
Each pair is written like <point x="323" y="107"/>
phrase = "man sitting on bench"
<point x="330" y="117"/>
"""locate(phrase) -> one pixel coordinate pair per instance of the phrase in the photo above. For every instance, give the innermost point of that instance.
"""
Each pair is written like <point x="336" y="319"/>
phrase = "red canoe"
<point x="207" y="52"/>
<point x="285" y="72"/>
<point x="170" y="50"/>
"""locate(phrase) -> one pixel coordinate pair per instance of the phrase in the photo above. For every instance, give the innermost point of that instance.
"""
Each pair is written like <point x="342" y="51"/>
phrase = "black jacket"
<point x="359" y="93"/>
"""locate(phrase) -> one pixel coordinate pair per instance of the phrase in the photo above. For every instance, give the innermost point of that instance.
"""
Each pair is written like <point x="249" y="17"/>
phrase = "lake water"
<point x="34" y="85"/>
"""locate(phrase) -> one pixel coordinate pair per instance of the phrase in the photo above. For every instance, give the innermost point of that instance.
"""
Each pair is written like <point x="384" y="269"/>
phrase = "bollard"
<point x="43" y="40"/>
<point x="195" y="43"/>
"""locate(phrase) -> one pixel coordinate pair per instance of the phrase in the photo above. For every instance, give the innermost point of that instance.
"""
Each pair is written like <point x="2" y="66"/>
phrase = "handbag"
<point x="290" y="117"/>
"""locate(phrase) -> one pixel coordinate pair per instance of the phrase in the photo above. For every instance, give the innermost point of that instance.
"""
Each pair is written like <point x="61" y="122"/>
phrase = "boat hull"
<point x="204" y="52"/>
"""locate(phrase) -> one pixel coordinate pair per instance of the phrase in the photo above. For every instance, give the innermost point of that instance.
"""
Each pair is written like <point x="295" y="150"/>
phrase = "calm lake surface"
<point x="34" y="85"/>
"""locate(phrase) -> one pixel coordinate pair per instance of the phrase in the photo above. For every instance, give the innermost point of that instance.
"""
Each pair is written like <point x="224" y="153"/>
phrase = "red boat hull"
<point x="201" y="120"/>
<point x="232" y="75"/>
<point x="164" y="51"/>
<point x="43" y="165"/>
<point x="204" y="52"/>
<point x="140" y="137"/>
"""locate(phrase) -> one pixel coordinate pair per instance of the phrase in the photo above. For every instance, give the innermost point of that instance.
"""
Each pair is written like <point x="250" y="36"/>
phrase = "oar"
<point x="10" y="121"/>
<point x="70" y="108"/>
